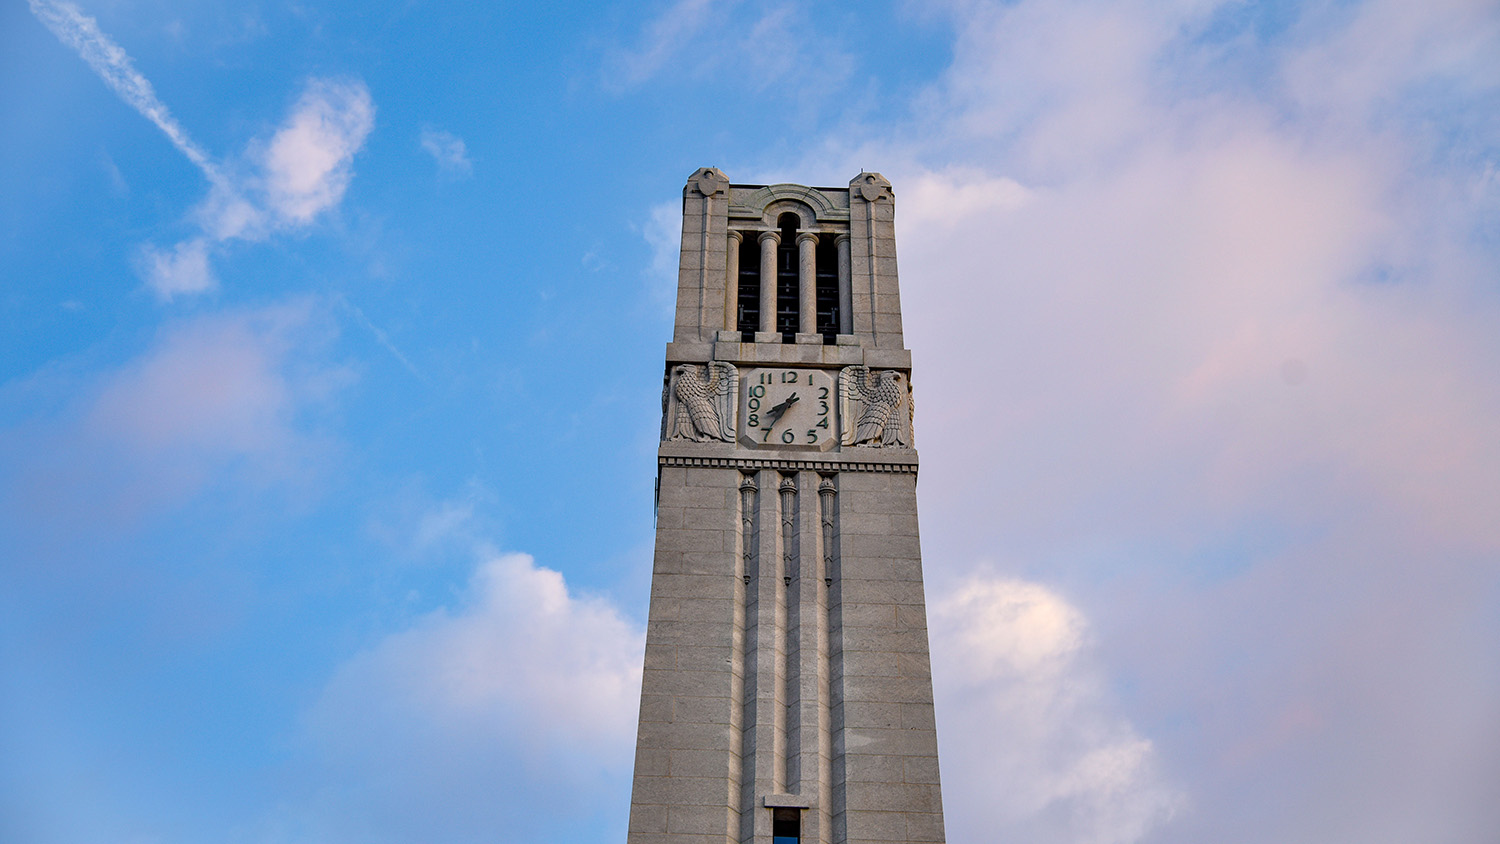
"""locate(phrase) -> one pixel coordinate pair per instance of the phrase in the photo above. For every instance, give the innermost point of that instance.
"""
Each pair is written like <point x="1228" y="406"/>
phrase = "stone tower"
<point x="787" y="694"/>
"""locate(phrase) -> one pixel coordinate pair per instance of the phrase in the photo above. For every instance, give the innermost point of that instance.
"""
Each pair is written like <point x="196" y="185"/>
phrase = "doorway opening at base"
<point x="786" y="826"/>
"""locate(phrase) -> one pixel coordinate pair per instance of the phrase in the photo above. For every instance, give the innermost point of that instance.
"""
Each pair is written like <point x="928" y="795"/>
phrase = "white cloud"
<point x="1031" y="747"/>
<point x="663" y="232"/>
<point x="286" y="182"/>
<point x="307" y="164"/>
<point x="448" y="150"/>
<point x="940" y="201"/>
<point x="226" y="214"/>
<point x="183" y="269"/>
<point x="512" y="711"/>
<point x="524" y="651"/>
<point x="300" y="172"/>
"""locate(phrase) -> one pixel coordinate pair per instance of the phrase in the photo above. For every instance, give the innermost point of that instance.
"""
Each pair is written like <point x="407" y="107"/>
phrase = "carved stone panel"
<point x="699" y="402"/>
<point x="872" y="187"/>
<point x="875" y="407"/>
<point x="709" y="181"/>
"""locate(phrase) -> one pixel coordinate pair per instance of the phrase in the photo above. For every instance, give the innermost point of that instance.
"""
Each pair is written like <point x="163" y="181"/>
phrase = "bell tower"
<point x="787" y="693"/>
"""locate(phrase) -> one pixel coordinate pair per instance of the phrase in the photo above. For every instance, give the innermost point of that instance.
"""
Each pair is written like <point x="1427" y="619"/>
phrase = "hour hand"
<point x="775" y="412"/>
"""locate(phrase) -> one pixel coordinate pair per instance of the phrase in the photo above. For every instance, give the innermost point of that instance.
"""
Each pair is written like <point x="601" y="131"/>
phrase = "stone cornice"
<point x="787" y="464"/>
<point x="849" y="459"/>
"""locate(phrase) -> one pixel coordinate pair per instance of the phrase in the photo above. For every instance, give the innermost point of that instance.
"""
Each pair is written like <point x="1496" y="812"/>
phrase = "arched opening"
<point x="788" y="311"/>
<point x="827" y="281"/>
<point x="747" y="311"/>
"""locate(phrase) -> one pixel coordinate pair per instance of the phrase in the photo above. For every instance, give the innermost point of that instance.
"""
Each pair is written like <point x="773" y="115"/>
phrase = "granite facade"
<point x="786" y="659"/>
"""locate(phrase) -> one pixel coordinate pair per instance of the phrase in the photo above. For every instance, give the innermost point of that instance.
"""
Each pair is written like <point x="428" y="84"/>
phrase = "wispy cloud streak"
<point x="113" y="65"/>
<point x="301" y="172"/>
<point x="380" y="336"/>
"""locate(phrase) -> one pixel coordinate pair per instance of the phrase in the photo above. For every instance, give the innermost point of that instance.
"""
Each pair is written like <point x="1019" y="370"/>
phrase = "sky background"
<point x="330" y="380"/>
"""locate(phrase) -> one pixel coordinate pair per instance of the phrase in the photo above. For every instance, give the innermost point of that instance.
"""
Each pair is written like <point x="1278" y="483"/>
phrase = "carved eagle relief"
<point x="699" y="402"/>
<point x="877" y="408"/>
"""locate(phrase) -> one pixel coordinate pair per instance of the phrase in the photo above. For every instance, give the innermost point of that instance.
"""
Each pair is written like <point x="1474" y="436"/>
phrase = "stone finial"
<point x="871" y="186"/>
<point x="709" y="181"/>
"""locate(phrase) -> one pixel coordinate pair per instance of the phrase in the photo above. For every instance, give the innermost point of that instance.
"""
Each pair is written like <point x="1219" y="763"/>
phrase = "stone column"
<point x="768" y="243"/>
<point x="732" y="280"/>
<point x="846" y="289"/>
<point x="807" y="282"/>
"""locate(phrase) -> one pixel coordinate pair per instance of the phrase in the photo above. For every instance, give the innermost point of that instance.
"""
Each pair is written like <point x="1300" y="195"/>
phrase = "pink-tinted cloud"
<point x="222" y="399"/>
<point x="1210" y="350"/>
<point x="182" y="270"/>
<point x="307" y="164"/>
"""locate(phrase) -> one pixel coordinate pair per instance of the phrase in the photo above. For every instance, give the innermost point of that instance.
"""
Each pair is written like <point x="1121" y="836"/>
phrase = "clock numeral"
<point x="822" y="392"/>
<point x="754" y="403"/>
<point x="823" y="423"/>
<point x="812" y="435"/>
<point x="788" y="377"/>
<point x="754" y="420"/>
<point x="787" y="436"/>
<point x="766" y="437"/>
<point x="757" y="391"/>
<point x="822" y="408"/>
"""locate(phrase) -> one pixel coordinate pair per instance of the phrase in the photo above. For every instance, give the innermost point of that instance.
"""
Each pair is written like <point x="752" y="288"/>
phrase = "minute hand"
<point x="776" y="412"/>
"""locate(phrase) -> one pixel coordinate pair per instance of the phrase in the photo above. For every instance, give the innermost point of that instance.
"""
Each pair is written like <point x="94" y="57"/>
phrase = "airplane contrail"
<point x="113" y="65"/>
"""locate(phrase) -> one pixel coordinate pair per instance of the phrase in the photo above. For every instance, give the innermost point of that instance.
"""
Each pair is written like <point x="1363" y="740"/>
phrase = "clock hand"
<point x="776" y="412"/>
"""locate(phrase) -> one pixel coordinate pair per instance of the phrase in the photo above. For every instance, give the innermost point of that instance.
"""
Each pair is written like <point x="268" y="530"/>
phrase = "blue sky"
<point x="329" y="392"/>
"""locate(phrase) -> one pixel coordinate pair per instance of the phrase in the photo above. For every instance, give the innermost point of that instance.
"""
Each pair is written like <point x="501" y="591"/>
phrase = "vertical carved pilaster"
<point x="828" y="508"/>
<point x="787" y="641"/>
<point x="708" y="182"/>
<point x="742" y="679"/>
<point x="871" y="259"/>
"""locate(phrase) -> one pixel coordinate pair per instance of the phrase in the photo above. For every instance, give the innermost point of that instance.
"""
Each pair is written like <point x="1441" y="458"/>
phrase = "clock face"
<point x="787" y="408"/>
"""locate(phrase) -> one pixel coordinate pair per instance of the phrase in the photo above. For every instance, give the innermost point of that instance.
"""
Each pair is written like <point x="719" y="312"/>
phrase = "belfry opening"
<point x="786" y="281"/>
